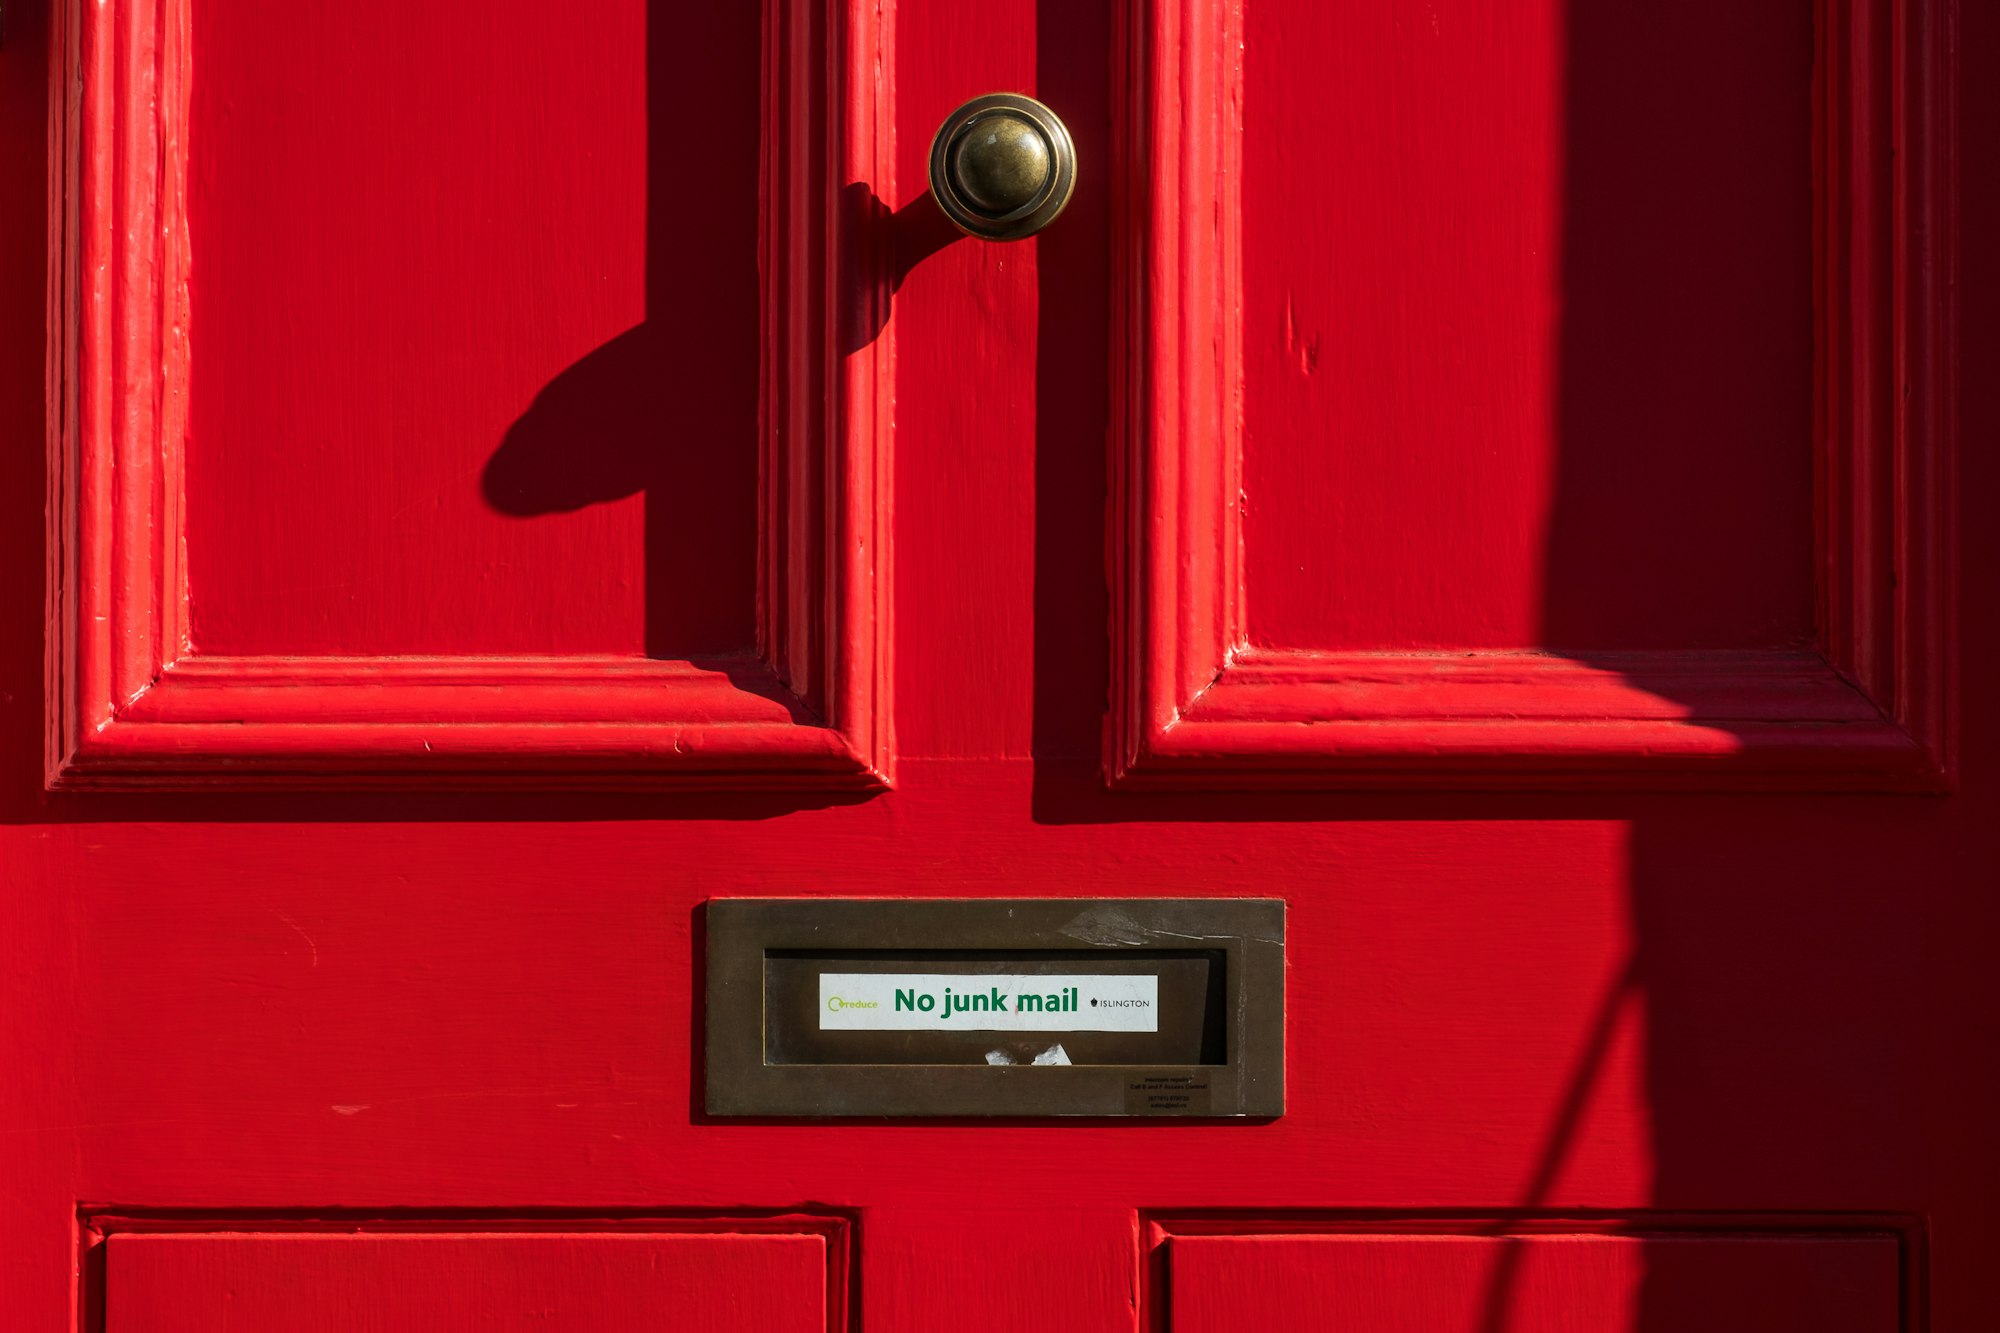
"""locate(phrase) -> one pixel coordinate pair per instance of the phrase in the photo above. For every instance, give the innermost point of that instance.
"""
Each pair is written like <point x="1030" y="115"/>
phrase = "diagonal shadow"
<point x="1684" y="356"/>
<point x="1618" y="998"/>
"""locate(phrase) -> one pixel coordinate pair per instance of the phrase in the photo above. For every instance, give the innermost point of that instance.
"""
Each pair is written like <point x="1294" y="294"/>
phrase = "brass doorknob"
<point x="1002" y="167"/>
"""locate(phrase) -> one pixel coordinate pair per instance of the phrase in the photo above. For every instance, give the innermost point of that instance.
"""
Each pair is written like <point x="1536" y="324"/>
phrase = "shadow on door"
<point x="1778" y="944"/>
<point x="669" y="407"/>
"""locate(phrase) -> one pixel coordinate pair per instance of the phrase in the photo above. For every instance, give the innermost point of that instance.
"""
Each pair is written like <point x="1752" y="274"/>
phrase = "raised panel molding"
<point x="133" y="704"/>
<point x="1195" y="707"/>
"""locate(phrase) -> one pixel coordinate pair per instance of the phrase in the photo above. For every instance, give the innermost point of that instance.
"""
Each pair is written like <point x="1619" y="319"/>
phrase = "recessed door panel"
<point x="1528" y="327"/>
<point x="429" y="367"/>
<point x="1534" y="1284"/>
<point x="443" y="1283"/>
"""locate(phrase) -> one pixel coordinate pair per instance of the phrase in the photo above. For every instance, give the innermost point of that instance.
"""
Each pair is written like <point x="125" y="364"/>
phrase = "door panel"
<point x="1642" y="667"/>
<point x="370" y="581"/>
<point x="1534" y="1284"/>
<point x="1527" y="327"/>
<point x="381" y="332"/>
<point x="441" y="1282"/>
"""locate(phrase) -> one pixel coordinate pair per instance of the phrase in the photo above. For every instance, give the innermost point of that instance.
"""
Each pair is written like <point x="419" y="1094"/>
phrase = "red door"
<point x="1482" y="473"/>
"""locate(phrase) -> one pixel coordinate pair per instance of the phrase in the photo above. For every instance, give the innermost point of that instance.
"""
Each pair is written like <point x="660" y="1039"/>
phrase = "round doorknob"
<point x="1002" y="167"/>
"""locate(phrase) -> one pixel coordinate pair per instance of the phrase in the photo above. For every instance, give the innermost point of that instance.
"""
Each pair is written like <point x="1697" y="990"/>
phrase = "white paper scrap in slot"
<point x="971" y="1002"/>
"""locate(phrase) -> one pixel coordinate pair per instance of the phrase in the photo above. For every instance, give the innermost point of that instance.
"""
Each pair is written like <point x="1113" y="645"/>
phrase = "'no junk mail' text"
<point x="922" y="1001"/>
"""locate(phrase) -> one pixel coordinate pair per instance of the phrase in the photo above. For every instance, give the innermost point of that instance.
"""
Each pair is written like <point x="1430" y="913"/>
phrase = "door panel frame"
<point x="133" y="703"/>
<point x="1195" y="706"/>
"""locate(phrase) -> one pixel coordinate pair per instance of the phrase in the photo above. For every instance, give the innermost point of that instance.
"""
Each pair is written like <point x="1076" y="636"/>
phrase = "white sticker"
<point x="923" y="1001"/>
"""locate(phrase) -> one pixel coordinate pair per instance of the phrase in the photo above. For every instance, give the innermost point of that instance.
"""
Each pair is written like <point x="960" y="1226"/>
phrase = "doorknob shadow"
<point x="655" y="410"/>
<point x="919" y="230"/>
<point x="589" y="435"/>
<point x="644" y="413"/>
<point x="903" y="237"/>
<point x="663" y="410"/>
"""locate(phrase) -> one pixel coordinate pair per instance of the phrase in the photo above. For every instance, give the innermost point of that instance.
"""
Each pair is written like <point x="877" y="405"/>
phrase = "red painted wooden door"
<point x="1485" y="473"/>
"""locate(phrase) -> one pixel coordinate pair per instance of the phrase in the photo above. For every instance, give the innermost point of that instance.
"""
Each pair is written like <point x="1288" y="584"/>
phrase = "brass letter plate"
<point x="996" y="1007"/>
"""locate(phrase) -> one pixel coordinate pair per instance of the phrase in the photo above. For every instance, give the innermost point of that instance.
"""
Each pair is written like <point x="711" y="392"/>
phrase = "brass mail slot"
<point x="985" y="1007"/>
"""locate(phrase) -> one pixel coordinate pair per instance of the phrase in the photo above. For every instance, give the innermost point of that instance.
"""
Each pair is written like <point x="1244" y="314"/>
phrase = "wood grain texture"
<point x="1547" y="1283"/>
<point x="442" y="1282"/>
<point x="805" y="705"/>
<point x="1200" y="701"/>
